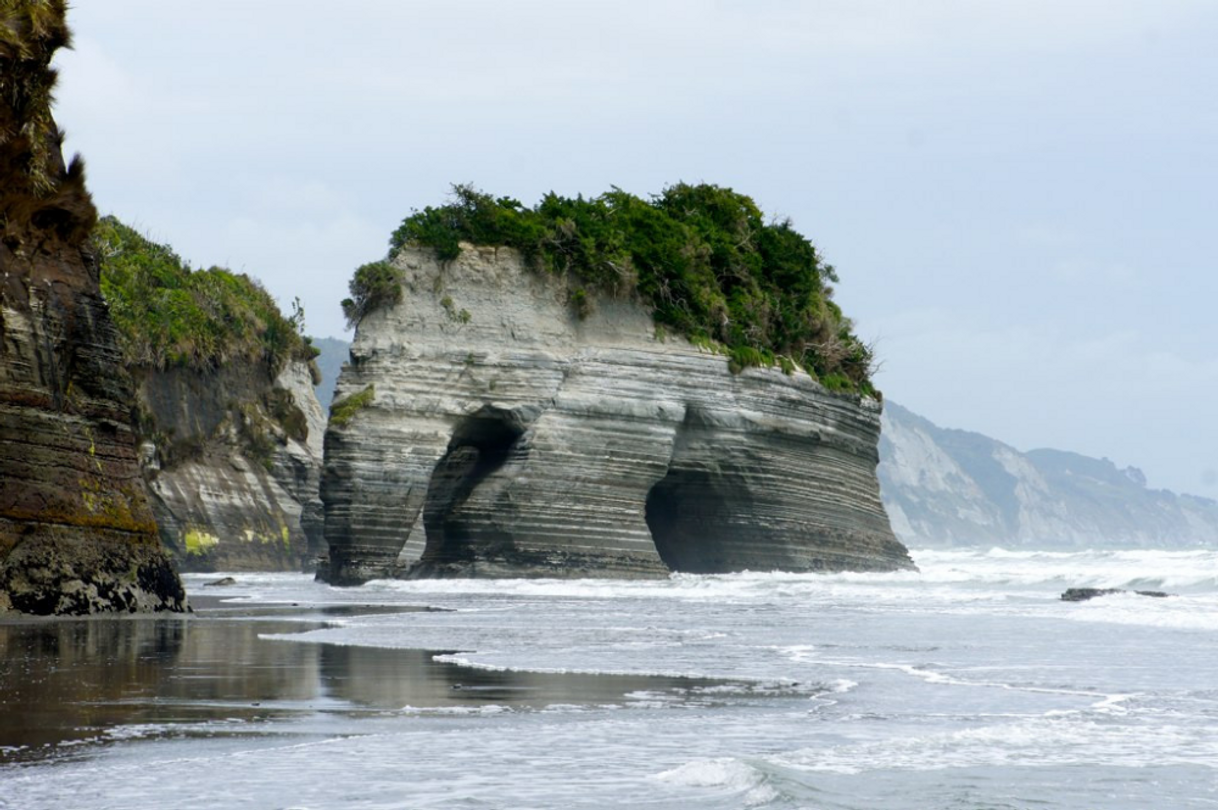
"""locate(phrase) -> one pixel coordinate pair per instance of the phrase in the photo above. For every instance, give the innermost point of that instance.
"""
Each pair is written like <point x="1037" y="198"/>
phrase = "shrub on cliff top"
<point x="374" y="285"/>
<point x="703" y="257"/>
<point x="169" y="315"/>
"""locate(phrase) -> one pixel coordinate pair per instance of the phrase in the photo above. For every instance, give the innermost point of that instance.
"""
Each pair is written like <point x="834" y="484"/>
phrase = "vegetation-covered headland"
<point x="704" y="258"/>
<point x="41" y="200"/>
<point x="171" y="315"/>
<point x="218" y="404"/>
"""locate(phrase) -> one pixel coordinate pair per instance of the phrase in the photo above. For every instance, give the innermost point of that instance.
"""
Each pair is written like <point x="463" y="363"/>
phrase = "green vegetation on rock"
<point x="703" y="257"/>
<point x="40" y="198"/>
<point x="374" y="285"/>
<point x="170" y="315"/>
<point x="199" y="542"/>
<point x="343" y="410"/>
<point x="30" y="33"/>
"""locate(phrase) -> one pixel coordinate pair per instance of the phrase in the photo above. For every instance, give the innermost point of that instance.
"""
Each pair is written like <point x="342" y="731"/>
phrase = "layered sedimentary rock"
<point x="958" y="488"/>
<point x="232" y="458"/>
<point x="231" y="429"/>
<point x="482" y="427"/>
<point x="76" y="531"/>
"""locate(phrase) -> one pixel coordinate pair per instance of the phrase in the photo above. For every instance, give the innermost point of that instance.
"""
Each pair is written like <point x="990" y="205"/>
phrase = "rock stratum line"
<point x="484" y="428"/>
<point x="76" y="532"/>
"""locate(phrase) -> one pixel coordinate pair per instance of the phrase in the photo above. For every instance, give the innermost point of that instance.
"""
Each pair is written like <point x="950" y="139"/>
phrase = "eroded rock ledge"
<point x="484" y="429"/>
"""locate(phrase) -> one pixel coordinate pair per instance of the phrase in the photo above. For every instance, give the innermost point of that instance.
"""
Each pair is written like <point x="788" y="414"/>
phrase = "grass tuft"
<point x="344" y="410"/>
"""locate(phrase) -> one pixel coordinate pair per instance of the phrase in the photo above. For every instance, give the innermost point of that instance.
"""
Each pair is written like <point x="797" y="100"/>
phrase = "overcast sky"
<point x="1019" y="196"/>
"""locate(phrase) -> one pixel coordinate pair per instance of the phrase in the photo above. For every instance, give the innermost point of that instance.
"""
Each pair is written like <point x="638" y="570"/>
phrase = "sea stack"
<point x="77" y="535"/>
<point x="500" y="421"/>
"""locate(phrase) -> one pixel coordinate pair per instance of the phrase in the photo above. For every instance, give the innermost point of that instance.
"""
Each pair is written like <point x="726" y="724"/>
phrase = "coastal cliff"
<point x="230" y="429"/>
<point x="946" y="487"/>
<point x="486" y="425"/>
<point x="76" y="531"/>
<point x="233" y="463"/>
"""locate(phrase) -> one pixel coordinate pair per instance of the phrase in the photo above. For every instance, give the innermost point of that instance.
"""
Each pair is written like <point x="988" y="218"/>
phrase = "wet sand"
<point x="66" y="683"/>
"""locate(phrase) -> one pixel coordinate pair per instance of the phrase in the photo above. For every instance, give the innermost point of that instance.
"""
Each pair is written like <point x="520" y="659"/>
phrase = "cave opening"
<point x="481" y="444"/>
<point x="689" y="513"/>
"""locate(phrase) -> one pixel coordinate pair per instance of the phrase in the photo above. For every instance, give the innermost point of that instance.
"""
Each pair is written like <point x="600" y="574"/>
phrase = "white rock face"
<point x="297" y="379"/>
<point x="506" y="436"/>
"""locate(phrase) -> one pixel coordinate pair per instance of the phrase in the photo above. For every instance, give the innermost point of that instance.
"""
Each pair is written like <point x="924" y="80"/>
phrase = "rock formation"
<point x="946" y="487"/>
<point x="220" y="503"/>
<point x="485" y="426"/>
<point x="76" y="531"/>
<point x="1084" y="594"/>
<point x="230" y="429"/>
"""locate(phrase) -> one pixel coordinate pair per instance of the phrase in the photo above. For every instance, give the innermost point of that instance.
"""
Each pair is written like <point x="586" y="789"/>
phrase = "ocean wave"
<point x="1194" y="570"/>
<point x="725" y="775"/>
<point x="476" y="711"/>
<point x="1039" y="741"/>
<point x="464" y="660"/>
<point x="956" y="575"/>
<point x="1176" y="613"/>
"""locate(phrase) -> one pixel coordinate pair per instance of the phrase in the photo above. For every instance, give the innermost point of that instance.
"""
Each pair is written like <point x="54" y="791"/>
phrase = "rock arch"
<point x="481" y="443"/>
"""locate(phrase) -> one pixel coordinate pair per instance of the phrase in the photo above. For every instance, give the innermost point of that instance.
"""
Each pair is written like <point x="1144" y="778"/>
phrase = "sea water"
<point x="968" y="684"/>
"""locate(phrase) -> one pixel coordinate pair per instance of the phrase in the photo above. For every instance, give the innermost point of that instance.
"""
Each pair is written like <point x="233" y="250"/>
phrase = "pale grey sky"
<point x="1019" y="196"/>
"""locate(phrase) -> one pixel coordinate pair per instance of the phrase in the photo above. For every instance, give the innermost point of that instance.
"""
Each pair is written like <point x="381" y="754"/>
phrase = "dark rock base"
<point x="51" y="572"/>
<point x="1083" y="594"/>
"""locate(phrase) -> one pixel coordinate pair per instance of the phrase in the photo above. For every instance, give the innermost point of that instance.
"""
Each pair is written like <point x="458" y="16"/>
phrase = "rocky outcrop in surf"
<point x="486" y="426"/>
<point x="1085" y="594"/>
<point x="76" y="532"/>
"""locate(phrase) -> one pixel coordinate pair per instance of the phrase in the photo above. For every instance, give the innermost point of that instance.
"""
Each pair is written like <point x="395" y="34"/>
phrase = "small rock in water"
<point x="1083" y="594"/>
<point x="230" y="581"/>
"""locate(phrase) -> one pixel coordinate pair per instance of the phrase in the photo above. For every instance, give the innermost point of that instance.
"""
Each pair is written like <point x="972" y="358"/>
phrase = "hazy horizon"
<point x="1015" y="196"/>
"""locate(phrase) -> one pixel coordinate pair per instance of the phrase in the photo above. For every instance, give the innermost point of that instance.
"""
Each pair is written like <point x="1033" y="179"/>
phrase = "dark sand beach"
<point x="80" y="682"/>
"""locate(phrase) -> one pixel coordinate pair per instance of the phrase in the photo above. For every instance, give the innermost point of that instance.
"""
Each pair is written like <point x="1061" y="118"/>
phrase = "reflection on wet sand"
<point x="73" y="680"/>
<point x="394" y="679"/>
<point x="63" y="682"/>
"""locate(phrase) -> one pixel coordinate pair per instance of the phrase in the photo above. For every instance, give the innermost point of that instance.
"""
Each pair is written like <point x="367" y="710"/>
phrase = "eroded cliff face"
<point x="232" y="458"/>
<point x="76" y="531"/>
<point x="483" y="428"/>
<point x="946" y="487"/>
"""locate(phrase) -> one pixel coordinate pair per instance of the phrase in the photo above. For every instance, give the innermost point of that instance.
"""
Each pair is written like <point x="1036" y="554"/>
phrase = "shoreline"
<point x="69" y="684"/>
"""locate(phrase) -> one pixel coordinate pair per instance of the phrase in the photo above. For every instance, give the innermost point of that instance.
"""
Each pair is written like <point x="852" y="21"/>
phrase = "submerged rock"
<point x="1083" y="594"/>
<point x="76" y="532"/>
<point x="486" y="427"/>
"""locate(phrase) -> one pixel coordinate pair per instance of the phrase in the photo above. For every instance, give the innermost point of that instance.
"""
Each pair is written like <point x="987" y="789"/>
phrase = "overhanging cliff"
<point x="486" y="426"/>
